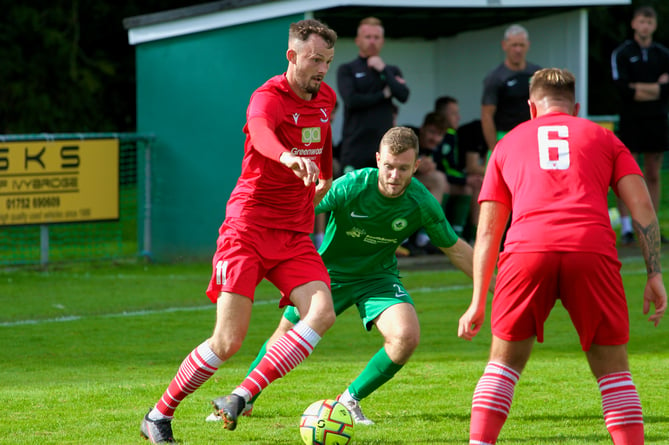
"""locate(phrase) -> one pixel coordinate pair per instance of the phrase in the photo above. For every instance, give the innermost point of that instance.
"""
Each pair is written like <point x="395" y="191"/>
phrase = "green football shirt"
<point x="365" y="227"/>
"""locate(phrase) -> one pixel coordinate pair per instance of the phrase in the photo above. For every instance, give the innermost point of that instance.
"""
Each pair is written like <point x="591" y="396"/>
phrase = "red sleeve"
<point x="263" y="115"/>
<point x="494" y="188"/>
<point x="264" y="140"/>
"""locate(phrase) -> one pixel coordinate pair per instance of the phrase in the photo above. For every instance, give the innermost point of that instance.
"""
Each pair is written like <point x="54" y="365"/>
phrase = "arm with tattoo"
<point x="634" y="193"/>
<point x="649" y="242"/>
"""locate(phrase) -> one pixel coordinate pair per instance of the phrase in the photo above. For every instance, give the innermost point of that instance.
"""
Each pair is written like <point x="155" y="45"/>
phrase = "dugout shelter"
<point x="197" y="67"/>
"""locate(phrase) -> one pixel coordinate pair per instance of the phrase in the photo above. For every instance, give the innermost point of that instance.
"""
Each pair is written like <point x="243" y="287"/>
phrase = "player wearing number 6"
<point x="552" y="174"/>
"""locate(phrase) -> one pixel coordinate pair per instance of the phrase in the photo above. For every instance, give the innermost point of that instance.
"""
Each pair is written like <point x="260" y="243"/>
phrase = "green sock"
<point x="458" y="212"/>
<point x="378" y="371"/>
<point x="444" y="201"/>
<point x="261" y="354"/>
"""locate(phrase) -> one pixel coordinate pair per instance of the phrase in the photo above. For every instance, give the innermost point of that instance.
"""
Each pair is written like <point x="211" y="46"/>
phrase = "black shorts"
<point x="649" y="135"/>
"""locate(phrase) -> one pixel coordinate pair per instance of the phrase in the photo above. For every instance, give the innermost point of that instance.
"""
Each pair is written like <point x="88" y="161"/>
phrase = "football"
<point x="326" y="422"/>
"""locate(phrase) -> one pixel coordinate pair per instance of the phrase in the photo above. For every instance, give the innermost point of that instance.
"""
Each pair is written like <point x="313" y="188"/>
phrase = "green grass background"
<point x="87" y="349"/>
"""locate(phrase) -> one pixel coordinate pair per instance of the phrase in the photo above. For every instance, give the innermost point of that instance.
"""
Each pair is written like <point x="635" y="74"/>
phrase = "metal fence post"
<point x="43" y="245"/>
<point x="146" y="247"/>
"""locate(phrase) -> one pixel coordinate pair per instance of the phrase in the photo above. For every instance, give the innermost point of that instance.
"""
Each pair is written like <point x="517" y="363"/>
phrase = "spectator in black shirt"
<point x="506" y="89"/>
<point x="367" y="86"/>
<point x="640" y="69"/>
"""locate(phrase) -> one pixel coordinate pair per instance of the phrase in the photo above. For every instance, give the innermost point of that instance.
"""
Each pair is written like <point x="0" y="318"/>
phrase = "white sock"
<point x="346" y="397"/>
<point x="308" y="334"/>
<point x="157" y="415"/>
<point x="243" y="393"/>
<point x="204" y="351"/>
<point x="208" y="355"/>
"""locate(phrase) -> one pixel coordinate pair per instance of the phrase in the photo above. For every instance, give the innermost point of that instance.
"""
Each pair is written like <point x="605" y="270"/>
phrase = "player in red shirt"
<point x="552" y="174"/>
<point x="287" y="168"/>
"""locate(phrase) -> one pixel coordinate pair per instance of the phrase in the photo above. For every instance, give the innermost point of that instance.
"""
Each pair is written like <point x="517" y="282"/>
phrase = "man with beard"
<point x="286" y="170"/>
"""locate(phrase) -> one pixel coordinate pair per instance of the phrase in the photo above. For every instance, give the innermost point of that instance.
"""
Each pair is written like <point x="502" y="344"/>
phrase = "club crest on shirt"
<point x="446" y="149"/>
<point x="399" y="224"/>
<point x="325" y="117"/>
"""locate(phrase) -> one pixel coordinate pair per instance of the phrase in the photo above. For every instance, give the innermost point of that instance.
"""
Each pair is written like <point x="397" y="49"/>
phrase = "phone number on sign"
<point x="35" y="203"/>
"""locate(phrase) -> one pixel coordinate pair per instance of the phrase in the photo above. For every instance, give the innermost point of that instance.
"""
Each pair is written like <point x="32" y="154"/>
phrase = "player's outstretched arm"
<point x="492" y="221"/>
<point x="634" y="193"/>
<point x="461" y="256"/>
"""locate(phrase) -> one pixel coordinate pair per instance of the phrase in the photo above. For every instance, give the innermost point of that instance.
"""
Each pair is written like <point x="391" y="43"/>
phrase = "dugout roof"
<point x="401" y="18"/>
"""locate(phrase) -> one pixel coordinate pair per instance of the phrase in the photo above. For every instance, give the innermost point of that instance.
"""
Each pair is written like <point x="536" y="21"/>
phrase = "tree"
<point x="67" y="65"/>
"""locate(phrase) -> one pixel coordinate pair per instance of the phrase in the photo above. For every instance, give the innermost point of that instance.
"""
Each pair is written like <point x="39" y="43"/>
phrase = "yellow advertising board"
<point x="44" y="182"/>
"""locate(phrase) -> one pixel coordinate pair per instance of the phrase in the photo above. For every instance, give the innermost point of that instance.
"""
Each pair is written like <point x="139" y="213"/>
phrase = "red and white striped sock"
<point x="622" y="408"/>
<point x="491" y="403"/>
<point x="286" y="353"/>
<point x="196" y="369"/>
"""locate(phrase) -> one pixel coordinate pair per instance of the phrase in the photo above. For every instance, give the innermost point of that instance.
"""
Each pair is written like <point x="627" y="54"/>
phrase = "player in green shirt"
<point x="371" y="212"/>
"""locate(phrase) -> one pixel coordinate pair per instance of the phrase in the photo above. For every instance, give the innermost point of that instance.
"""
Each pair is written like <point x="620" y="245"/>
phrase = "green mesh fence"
<point x="83" y="241"/>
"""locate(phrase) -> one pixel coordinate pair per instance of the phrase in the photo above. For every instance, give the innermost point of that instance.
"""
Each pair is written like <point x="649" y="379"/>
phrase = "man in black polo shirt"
<point x="367" y="86"/>
<point x="506" y="89"/>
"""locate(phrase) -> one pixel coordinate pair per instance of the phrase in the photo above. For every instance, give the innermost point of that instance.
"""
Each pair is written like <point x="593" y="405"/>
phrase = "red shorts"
<point x="245" y="254"/>
<point x="588" y="284"/>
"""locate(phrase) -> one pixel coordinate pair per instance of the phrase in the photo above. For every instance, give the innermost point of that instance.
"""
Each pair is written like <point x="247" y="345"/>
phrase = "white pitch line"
<point x="420" y="290"/>
<point x="417" y="290"/>
<point x="178" y="309"/>
<point x="121" y="314"/>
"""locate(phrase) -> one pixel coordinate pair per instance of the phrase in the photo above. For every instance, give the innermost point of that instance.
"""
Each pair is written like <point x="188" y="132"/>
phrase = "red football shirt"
<point x="554" y="173"/>
<point x="268" y="193"/>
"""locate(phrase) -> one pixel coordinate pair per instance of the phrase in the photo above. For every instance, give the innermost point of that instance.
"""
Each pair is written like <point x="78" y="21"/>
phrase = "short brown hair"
<point x="437" y="120"/>
<point x="400" y="139"/>
<point x="555" y="83"/>
<point x="301" y="31"/>
<point x="442" y="102"/>
<point x="645" y="11"/>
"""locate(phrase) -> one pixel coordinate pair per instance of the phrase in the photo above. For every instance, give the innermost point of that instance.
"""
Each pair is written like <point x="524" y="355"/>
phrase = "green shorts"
<point x="371" y="296"/>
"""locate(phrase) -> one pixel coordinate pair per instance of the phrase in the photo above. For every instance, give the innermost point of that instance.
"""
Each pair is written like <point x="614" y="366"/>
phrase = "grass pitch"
<point x="86" y="350"/>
